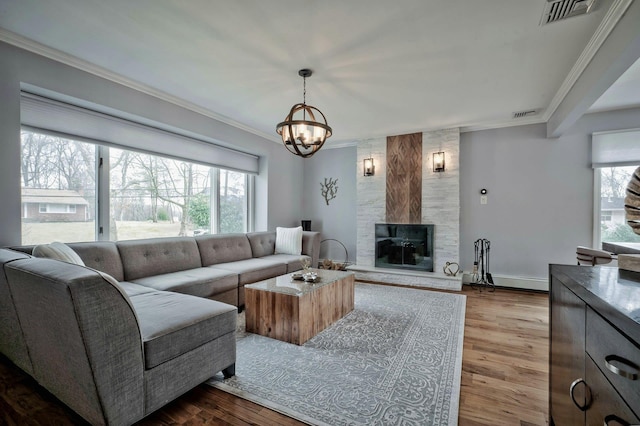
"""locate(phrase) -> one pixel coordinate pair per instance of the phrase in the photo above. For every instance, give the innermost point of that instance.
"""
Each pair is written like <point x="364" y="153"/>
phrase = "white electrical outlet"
<point x="483" y="199"/>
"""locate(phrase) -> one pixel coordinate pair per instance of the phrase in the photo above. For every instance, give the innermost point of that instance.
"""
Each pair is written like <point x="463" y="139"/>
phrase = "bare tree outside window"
<point x="151" y="195"/>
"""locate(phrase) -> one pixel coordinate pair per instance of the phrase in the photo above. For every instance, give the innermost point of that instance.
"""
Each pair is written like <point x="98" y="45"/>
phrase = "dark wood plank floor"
<point x="504" y="377"/>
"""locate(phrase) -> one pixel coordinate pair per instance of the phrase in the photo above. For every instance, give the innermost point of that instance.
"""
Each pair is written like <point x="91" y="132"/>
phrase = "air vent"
<point x="521" y="114"/>
<point x="557" y="10"/>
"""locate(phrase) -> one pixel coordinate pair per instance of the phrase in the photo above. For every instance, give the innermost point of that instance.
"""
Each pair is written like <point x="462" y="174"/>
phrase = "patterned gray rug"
<point x="395" y="360"/>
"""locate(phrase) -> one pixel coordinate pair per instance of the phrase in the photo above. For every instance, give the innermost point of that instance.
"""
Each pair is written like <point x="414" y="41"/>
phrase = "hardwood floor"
<point x="505" y="359"/>
<point x="504" y="377"/>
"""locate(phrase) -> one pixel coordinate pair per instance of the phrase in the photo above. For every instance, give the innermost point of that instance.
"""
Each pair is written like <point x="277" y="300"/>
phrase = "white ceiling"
<point x="380" y="67"/>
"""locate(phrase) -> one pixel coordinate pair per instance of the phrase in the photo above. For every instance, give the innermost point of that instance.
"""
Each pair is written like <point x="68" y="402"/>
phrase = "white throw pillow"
<point x="58" y="251"/>
<point x="289" y="240"/>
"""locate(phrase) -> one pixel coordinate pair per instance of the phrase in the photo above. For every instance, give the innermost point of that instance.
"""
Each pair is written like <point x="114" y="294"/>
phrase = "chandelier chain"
<point x="304" y="90"/>
<point x="304" y="96"/>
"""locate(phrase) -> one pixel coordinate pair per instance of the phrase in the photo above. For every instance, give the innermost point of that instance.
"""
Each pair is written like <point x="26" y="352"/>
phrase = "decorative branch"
<point x="329" y="189"/>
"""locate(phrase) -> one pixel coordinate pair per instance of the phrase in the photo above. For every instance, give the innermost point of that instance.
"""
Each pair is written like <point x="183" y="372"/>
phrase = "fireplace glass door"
<point x="404" y="246"/>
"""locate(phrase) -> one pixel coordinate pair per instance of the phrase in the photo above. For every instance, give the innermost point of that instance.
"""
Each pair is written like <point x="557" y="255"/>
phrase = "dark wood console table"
<point x="594" y="354"/>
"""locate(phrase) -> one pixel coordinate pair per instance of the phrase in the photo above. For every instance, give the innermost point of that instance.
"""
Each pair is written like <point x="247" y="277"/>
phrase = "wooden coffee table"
<point x="295" y="311"/>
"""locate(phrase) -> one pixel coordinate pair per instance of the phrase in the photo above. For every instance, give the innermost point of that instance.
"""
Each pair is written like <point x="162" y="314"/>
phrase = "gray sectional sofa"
<point x="140" y="324"/>
<point x="213" y="266"/>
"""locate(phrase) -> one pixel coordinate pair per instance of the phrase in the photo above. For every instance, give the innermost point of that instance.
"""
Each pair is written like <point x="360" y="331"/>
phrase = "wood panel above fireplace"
<point x="404" y="178"/>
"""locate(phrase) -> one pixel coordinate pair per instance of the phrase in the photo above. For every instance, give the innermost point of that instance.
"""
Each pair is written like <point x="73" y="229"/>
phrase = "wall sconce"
<point x="438" y="161"/>
<point x="369" y="167"/>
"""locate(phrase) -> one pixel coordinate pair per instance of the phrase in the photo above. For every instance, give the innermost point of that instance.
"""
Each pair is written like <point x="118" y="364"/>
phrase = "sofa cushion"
<point x="156" y="256"/>
<point x="58" y="251"/>
<point x="202" y="282"/>
<point x="101" y="255"/>
<point x="252" y="270"/>
<point x="223" y="248"/>
<point x="133" y="289"/>
<point x="262" y="243"/>
<point x="173" y="324"/>
<point x="293" y="262"/>
<point x="288" y="240"/>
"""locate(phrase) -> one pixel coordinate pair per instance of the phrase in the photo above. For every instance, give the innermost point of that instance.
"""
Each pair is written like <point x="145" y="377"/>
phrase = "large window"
<point x="614" y="157"/>
<point x="148" y="195"/>
<point x="611" y="193"/>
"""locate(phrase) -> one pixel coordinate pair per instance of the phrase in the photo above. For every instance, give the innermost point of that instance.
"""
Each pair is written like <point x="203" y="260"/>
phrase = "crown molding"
<point x="513" y="122"/>
<point x="75" y="62"/>
<point x="614" y="14"/>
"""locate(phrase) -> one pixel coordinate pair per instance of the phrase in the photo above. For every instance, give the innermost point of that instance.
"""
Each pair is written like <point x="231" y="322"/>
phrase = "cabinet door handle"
<point x="620" y="372"/>
<point x="587" y="400"/>
<point x="618" y="421"/>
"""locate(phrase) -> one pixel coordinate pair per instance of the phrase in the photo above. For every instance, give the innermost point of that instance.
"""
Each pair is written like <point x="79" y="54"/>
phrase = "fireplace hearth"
<point x="404" y="246"/>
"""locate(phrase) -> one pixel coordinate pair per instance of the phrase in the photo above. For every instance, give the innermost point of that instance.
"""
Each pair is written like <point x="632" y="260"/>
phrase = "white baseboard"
<point x="527" y="283"/>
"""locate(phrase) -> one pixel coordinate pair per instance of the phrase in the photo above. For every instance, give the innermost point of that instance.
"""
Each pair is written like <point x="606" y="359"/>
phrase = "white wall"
<point x="278" y="201"/>
<point x="540" y="200"/>
<point x="338" y="219"/>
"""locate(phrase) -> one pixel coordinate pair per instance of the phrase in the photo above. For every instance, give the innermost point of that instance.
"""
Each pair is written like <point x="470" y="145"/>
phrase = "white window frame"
<point x="615" y="148"/>
<point x="597" y="205"/>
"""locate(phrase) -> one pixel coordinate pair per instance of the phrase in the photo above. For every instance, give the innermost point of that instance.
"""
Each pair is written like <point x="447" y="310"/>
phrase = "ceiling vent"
<point x="557" y="10"/>
<point x="522" y="114"/>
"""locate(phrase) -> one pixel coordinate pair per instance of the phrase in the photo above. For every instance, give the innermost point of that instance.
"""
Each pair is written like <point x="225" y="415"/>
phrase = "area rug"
<point x="396" y="359"/>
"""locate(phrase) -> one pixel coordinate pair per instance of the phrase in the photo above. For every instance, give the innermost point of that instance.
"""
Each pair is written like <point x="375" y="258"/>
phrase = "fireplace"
<point x="404" y="246"/>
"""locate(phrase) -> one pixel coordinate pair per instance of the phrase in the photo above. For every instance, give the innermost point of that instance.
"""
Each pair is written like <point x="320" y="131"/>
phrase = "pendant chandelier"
<point x="301" y="133"/>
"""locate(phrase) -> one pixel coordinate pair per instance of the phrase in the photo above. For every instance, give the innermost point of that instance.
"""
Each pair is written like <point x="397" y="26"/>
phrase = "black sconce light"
<point x="369" y="167"/>
<point x="438" y="161"/>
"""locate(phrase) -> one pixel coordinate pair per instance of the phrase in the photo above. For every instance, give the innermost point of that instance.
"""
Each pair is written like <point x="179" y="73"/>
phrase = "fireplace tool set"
<point x="481" y="275"/>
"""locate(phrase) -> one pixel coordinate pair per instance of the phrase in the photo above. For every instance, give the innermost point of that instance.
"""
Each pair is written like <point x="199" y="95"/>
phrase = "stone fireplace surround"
<point x="440" y="206"/>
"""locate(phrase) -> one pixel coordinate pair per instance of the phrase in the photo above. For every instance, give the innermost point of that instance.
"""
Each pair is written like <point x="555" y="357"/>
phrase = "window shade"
<point x="616" y="148"/>
<point x="70" y="120"/>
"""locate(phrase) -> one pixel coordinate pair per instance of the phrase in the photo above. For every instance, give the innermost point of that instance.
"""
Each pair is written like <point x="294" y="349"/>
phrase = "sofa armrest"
<point x="311" y="246"/>
<point x="83" y="338"/>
